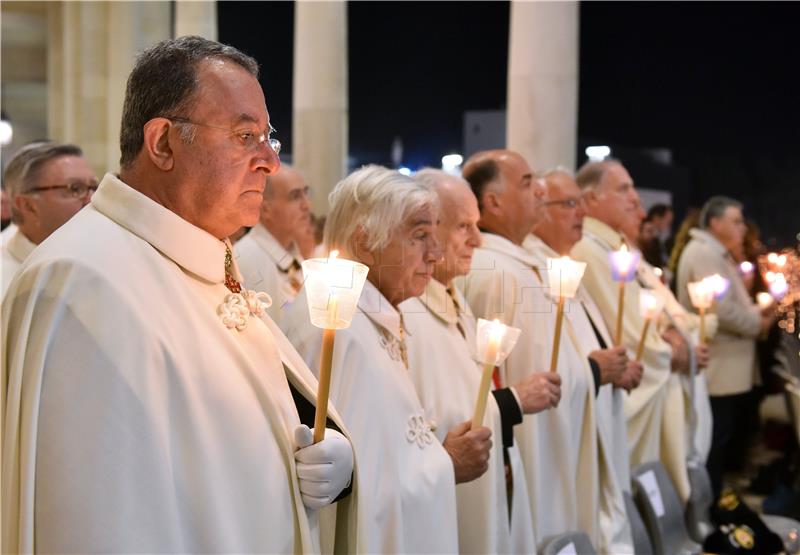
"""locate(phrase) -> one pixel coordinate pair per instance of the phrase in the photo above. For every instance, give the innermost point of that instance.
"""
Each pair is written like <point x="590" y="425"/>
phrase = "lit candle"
<point x="701" y="294"/>
<point x="778" y="286"/>
<point x="650" y="305"/>
<point x="623" y="269"/>
<point x="764" y="299"/>
<point x="746" y="268"/>
<point x="333" y="286"/>
<point x="495" y="340"/>
<point x="564" y="277"/>
<point x="718" y="284"/>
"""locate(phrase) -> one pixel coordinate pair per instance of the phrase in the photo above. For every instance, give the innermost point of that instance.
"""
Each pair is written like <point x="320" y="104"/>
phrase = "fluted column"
<point x="320" y="107"/>
<point x="543" y="82"/>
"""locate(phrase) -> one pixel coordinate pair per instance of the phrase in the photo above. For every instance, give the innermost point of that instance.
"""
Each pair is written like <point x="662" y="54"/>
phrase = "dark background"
<point x="715" y="84"/>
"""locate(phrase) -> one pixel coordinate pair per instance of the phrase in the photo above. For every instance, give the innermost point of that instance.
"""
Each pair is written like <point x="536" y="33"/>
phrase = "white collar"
<point x="441" y="304"/>
<point x="379" y="310"/>
<point x="19" y="246"/>
<point x="498" y="243"/>
<point x="190" y="247"/>
<point x="283" y="258"/>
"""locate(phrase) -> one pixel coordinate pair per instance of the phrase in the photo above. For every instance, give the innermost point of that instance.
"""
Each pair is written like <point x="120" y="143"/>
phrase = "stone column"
<point x="196" y="17"/>
<point x="543" y="83"/>
<point x="91" y="50"/>
<point x="320" y="108"/>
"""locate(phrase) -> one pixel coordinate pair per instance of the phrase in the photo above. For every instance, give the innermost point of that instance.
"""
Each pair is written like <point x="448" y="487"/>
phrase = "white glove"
<point x="324" y="469"/>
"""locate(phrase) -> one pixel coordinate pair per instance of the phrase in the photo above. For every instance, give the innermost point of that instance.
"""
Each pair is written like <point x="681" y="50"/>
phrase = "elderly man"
<point x="441" y="348"/>
<point x="656" y="410"/>
<point x="149" y="406"/>
<point x="590" y="366"/>
<point x="505" y="282"/>
<point x="740" y="321"/>
<point x="268" y="256"/>
<point x="407" y="476"/>
<point x="47" y="184"/>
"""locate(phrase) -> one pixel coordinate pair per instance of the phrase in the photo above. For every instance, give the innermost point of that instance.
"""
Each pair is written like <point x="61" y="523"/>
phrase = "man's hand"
<point x="680" y="351"/>
<point x="324" y="469"/>
<point x="612" y="363"/>
<point x="469" y="450"/>
<point x="630" y="379"/>
<point x="701" y="355"/>
<point x="539" y="391"/>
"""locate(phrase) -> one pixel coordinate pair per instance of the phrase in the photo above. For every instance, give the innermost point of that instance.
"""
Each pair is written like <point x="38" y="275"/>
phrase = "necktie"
<point x="403" y="350"/>
<point x="452" y="293"/>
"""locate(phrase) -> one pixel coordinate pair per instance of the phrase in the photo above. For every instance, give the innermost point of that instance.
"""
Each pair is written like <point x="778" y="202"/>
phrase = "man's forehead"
<point x="226" y="89"/>
<point x="562" y="185"/>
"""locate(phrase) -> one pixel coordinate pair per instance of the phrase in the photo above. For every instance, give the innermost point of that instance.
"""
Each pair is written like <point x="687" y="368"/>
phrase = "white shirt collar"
<point x="192" y="248"/>
<point x="283" y="258"/>
<point x="19" y="246"/>
<point x="379" y="310"/>
<point x="442" y="305"/>
<point x="498" y="243"/>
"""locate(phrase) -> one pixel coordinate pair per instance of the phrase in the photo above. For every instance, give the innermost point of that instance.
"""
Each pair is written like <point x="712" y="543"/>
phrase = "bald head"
<point x="509" y="195"/>
<point x="458" y="222"/>
<point x="286" y="210"/>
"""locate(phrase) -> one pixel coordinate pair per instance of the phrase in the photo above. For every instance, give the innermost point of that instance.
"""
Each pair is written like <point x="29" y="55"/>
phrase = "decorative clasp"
<point x="419" y="431"/>
<point x="237" y="307"/>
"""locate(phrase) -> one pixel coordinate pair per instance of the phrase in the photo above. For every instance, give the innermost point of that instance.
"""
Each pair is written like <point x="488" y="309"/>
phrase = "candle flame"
<point x="746" y="267"/>
<point x="772" y="257"/>
<point x="334" y="253"/>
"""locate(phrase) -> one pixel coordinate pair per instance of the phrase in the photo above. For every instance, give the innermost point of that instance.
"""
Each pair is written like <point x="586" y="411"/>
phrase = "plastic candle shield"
<point x="701" y="294"/>
<point x="719" y="285"/>
<point x="564" y="276"/>
<point x="495" y="341"/>
<point x="624" y="263"/>
<point x="778" y="286"/>
<point x="650" y="304"/>
<point x="333" y="287"/>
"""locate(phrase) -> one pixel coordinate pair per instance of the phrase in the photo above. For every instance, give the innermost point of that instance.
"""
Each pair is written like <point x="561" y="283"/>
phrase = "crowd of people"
<point x="158" y="363"/>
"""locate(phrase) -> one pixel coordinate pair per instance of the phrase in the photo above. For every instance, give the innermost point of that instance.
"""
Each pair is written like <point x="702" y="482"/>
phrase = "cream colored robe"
<point x="14" y="253"/>
<point x="675" y="315"/>
<point x="443" y="365"/>
<point x="558" y="446"/>
<point x="657" y="410"/>
<point x="407" y="498"/>
<point x="604" y="415"/>
<point x="135" y="420"/>
<point x="267" y="266"/>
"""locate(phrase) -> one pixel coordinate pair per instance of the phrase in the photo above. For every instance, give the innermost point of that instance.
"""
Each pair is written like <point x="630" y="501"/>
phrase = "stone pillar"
<point x="543" y="83"/>
<point x="91" y="49"/>
<point x="196" y="17"/>
<point x="320" y="108"/>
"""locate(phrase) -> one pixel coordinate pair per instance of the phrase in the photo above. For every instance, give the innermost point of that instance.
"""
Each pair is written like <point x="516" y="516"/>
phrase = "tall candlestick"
<point x="333" y="286"/>
<point x="495" y="340"/>
<point x="624" y="264"/>
<point x="702" y="294"/>
<point x="650" y="304"/>
<point x="564" y="277"/>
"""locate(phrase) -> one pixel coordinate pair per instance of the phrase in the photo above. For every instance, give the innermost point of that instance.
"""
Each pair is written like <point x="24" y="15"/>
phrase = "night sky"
<point x="716" y="83"/>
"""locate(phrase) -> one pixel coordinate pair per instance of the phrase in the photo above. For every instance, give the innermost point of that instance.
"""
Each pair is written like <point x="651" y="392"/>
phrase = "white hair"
<point x="376" y="200"/>
<point x="431" y="178"/>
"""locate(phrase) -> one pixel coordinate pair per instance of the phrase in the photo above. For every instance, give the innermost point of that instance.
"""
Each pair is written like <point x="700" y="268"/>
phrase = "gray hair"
<point x="378" y="201"/>
<point x="431" y="178"/>
<point x="591" y="174"/>
<point x="163" y="83"/>
<point x="24" y="167"/>
<point x="557" y="170"/>
<point x="715" y="208"/>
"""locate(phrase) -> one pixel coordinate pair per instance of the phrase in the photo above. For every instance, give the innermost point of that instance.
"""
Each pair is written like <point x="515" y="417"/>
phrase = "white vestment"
<point x="267" y="266"/>
<point x="407" y="500"/>
<point x="15" y="250"/>
<point x="675" y="314"/>
<point x="604" y="414"/>
<point x="136" y="420"/>
<point x="657" y="410"/>
<point x="559" y="450"/>
<point x="443" y="366"/>
<point x="6" y="234"/>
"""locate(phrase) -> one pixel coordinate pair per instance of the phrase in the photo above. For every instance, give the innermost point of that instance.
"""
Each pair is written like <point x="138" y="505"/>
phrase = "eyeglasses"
<point x="566" y="203"/>
<point x="76" y="189"/>
<point x="247" y="138"/>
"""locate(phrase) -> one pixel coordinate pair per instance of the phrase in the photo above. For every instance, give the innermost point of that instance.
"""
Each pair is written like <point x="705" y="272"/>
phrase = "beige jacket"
<point x="733" y="349"/>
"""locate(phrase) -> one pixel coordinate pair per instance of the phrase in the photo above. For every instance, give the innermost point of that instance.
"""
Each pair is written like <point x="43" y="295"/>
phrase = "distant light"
<point x="451" y="163"/>
<point x="404" y="170"/>
<point x="598" y="153"/>
<point x="658" y="271"/>
<point x="6" y="132"/>
<point x="746" y="268"/>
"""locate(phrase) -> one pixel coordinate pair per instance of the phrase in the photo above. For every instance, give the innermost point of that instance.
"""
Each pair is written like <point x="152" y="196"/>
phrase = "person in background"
<point x="47" y="184"/>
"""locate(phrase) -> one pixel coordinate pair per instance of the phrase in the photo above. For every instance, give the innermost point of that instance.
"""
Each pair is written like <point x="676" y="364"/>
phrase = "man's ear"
<point x="26" y="206"/>
<point x="157" y="143"/>
<point x="362" y="251"/>
<point x="491" y="201"/>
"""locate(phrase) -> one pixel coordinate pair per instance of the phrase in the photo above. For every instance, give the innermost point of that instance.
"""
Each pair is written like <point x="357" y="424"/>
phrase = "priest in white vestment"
<point x="268" y="255"/>
<point x="658" y="411"/>
<point x="596" y="418"/>
<point x="508" y="282"/>
<point x="47" y="184"/>
<point x="442" y="362"/>
<point x="149" y="406"/>
<point x="407" y="494"/>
